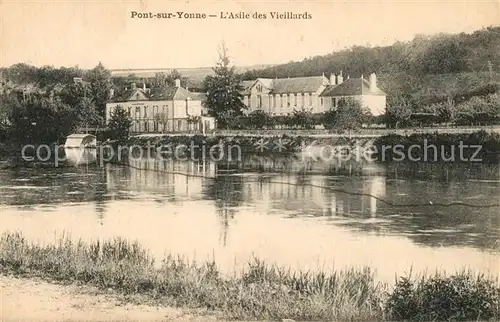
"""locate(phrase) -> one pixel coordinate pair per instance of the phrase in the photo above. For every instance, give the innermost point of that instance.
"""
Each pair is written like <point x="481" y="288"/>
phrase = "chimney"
<point x="177" y="83"/>
<point x="340" y="78"/>
<point x="373" y="82"/>
<point x="133" y="86"/>
<point x="332" y="79"/>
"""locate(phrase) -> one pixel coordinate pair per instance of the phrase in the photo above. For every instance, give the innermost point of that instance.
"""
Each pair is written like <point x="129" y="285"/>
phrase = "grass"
<point x="260" y="292"/>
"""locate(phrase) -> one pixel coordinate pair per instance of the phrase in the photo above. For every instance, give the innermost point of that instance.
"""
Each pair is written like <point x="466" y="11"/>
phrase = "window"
<point x="310" y="100"/>
<point x="259" y="101"/>
<point x="303" y="99"/>
<point x="137" y="112"/>
<point x="281" y="101"/>
<point x="321" y="101"/>
<point x="334" y="102"/>
<point x="276" y="100"/>
<point x="179" y="125"/>
<point x="145" y="112"/>
<point x="259" y="88"/>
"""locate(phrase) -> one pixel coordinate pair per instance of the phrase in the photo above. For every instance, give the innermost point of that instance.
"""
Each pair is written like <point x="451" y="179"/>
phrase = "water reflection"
<point x="297" y="209"/>
<point x="77" y="156"/>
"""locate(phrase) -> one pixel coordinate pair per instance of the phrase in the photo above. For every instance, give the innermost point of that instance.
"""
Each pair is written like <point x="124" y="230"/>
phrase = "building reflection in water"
<point x="290" y="194"/>
<point x="77" y="157"/>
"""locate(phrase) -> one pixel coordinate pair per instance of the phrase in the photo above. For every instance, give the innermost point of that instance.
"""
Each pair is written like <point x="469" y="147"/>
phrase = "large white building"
<point x="317" y="94"/>
<point x="169" y="109"/>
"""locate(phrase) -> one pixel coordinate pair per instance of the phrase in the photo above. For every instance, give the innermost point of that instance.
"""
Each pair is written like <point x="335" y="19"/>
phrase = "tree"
<point x="350" y="114"/>
<point x="224" y="99"/>
<point x="39" y="118"/>
<point x="173" y="75"/>
<point x="160" y="80"/>
<point x="80" y="97"/>
<point x="162" y="119"/>
<point x="192" y="121"/>
<point x="119" y="125"/>
<point x="303" y="118"/>
<point x="260" y="119"/>
<point x="398" y="113"/>
<point x="100" y="85"/>
<point x="328" y="118"/>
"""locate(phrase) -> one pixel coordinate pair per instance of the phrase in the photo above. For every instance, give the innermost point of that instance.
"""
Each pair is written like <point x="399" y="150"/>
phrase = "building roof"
<point x="351" y="86"/>
<point x="169" y="93"/>
<point x="298" y="84"/>
<point x="288" y="85"/>
<point x="246" y="86"/>
<point x="198" y="96"/>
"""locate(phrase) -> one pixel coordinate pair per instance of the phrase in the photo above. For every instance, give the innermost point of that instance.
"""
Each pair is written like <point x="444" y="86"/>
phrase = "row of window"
<point x="278" y="100"/>
<point x="153" y="126"/>
<point x="155" y="110"/>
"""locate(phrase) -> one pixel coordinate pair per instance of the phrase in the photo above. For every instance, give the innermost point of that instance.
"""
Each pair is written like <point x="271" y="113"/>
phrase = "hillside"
<point x="194" y="76"/>
<point x="422" y="69"/>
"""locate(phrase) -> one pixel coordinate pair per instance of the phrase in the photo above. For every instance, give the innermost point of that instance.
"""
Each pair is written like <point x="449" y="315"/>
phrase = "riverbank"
<point x="261" y="291"/>
<point x="56" y="302"/>
<point x="481" y="146"/>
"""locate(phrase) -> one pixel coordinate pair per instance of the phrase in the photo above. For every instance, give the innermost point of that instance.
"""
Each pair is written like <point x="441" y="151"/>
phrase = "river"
<point x="390" y="217"/>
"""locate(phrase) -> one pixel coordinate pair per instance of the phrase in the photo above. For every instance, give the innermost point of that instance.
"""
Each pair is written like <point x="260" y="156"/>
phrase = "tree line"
<point x="443" y="79"/>
<point x="46" y="104"/>
<point x="429" y="74"/>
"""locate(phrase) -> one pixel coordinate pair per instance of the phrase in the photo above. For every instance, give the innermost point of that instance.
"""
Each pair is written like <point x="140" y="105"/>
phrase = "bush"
<point x="438" y="298"/>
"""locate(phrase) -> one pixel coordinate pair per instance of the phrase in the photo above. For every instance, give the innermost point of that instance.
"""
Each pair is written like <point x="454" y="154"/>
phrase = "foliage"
<point x="328" y="118"/>
<point x="162" y="119"/>
<point x="259" y="292"/>
<point x="80" y="97"/>
<point x="460" y="297"/>
<point x="161" y="80"/>
<point x="427" y="69"/>
<point x="448" y="145"/>
<point x="39" y="118"/>
<point x="303" y="119"/>
<point x="224" y="99"/>
<point x="259" y="119"/>
<point x="100" y="85"/>
<point x="44" y="105"/>
<point x="119" y="125"/>
<point x="193" y="119"/>
<point x="350" y="114"/>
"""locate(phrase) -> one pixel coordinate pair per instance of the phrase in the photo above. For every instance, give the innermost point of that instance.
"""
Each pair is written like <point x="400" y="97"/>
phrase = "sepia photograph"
<point x="216" y="160"/>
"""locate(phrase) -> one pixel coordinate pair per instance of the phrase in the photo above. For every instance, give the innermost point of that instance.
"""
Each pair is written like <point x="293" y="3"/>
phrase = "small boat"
<point x="81" y="141"/>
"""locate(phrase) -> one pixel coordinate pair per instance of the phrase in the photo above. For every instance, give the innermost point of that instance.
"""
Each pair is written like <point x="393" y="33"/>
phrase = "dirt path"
<point x="36" y="300"/>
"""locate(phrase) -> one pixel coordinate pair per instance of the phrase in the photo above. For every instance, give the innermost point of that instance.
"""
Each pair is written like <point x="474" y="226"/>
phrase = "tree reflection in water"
<point x="227" y="192"/>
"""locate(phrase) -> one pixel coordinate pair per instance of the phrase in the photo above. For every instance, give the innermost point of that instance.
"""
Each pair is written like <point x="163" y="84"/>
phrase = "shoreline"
<point x="52" y="301"/>
<point x="127" y="271"/>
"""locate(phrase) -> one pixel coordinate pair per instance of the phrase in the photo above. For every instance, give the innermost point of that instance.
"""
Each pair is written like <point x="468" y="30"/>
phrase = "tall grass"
<point x="258" y="292"/>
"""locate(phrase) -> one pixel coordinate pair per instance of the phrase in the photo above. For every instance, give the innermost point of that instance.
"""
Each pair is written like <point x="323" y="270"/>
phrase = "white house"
<point x="317" y="94"/>
<point x="170" y="109"/>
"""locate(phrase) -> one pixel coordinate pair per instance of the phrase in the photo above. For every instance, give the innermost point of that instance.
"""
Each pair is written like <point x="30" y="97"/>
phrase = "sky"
<point x="71" y="33"/>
